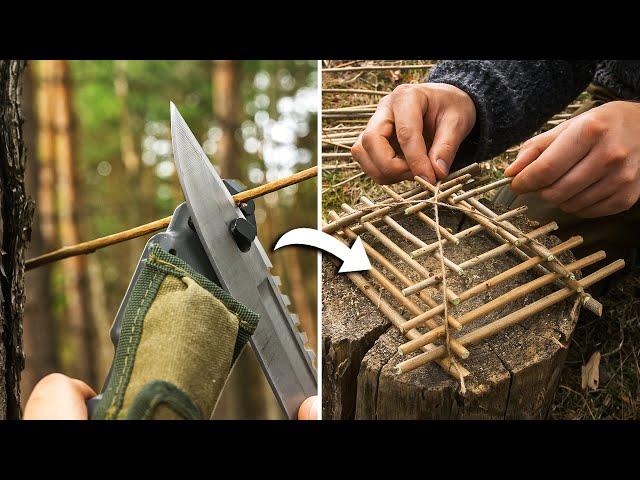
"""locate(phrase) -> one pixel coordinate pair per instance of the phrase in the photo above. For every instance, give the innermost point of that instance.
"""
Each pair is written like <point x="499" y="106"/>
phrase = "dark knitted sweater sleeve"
<point x="513" y="98"/>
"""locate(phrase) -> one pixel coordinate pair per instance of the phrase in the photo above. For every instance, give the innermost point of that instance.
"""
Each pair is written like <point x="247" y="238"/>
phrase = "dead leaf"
<point x="591" y="372"/>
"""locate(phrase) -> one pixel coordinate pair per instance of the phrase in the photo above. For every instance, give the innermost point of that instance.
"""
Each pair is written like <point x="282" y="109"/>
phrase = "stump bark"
<point x="514" y="374"/>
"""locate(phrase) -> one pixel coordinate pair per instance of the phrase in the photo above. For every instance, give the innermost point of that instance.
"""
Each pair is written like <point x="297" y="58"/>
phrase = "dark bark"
<point x="16" y="211"/>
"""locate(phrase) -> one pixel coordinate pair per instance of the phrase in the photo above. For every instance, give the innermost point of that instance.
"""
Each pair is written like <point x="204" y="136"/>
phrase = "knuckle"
<point x="550" y="195"/>
<point x="593" y="127"/>
<point x="367" y="141"/>
<point x="617" y="154"/>
<point x="402" y="89"/>
<point x="404" y="133"/>
<point x="627" y="176"/>
<point x="357" y="150"/>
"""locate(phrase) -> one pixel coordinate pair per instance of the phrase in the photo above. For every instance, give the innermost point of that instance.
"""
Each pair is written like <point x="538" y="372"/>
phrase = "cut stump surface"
<point x="514" y="374"/>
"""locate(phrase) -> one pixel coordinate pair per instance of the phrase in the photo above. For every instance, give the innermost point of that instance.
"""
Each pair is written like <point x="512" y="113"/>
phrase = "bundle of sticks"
<point x="439" y="335"/>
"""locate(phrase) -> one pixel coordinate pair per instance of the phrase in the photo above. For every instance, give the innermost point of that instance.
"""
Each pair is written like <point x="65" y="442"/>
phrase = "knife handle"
<point x="181" y="240"/>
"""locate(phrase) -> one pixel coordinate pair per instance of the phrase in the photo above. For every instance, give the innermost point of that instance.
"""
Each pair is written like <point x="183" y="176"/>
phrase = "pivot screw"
<point x="243" y="233"/>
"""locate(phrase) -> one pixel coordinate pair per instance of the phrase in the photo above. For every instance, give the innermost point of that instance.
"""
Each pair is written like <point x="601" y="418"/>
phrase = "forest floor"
<point x="616" y="335"/>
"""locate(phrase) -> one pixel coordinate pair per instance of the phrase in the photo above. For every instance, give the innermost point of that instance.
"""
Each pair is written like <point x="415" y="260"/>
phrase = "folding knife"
<point x="213" y="235"/>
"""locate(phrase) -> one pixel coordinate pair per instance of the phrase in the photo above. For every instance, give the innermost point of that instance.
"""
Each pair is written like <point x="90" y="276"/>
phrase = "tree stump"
<point x="514" y="374"/>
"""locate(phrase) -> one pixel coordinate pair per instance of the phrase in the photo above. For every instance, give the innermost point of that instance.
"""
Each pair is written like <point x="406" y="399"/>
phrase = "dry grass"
<point x="616" y="335"/>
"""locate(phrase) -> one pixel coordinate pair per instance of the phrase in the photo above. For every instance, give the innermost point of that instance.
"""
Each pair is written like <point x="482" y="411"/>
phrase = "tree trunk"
<point x="513" y="375"/>
<point x="16" y="212"/>
<point x="227" y="106"/>
<point x="77" y="355"/>
<point x="39" y="324"/>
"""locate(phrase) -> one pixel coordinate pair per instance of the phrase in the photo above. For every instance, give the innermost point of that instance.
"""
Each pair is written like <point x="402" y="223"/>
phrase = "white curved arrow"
<point x="354" y="259"/>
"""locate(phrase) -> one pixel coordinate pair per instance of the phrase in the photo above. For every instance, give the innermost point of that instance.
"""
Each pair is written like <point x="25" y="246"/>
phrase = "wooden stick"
<point x="394" y="317"/>
<point x="483" y="257"/>
<point x="511" y="319"/>
<point x="500" y="301"/>
<point x="483" y="189"/>
<point x="408" y="304"/>
<point x="387" y="242"/>
<point x="441" y="196"/>
<point x="533" y="246"/>
<point x="495" y="280"/>
<point x="412" y="238"/>
<point x="411" y="194"/>
<point x="424" y="218"/>
<point x="494" y="252"/>
<point x="378" y="67"/>
<point x="464" y="233"/>
<point x="355" y="90"/>
<point x="93" y="245"/>
<point x="390" y="267"/>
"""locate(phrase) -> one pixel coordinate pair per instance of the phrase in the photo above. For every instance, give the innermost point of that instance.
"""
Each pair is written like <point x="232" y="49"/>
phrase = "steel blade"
<point x="278" y="345"/>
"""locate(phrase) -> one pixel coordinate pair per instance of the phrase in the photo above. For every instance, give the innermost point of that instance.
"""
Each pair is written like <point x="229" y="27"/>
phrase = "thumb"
<point x="448" y="136"/>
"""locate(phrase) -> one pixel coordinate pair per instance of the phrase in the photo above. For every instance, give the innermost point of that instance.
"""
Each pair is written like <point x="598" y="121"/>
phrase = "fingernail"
<point x="427" y="179"/>
<point x="442" y="165"/>
<point x="314" y="412"/>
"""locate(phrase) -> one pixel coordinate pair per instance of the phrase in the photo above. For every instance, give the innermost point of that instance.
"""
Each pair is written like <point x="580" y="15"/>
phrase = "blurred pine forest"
<point x="99" y="161"/>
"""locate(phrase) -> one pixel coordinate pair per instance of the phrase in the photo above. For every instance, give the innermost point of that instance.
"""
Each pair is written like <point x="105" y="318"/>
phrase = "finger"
<point x="533" y="148"/>
<point x="374" y="152"/>
<point x="583" y="175"/>
<point x="591" y="195"/>
<point x="449" y="134"/>
<point x="566" y="150"/>
<point x="408" y="114"/>
<point x="360" y="155"/>
<point x="611" y="205"/>
<point x="378" y="159"/>
<point x="310" y="409"/>
<point x="83" y="389"/>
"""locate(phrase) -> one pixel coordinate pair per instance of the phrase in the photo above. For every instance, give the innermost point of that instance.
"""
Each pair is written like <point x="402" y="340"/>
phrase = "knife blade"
<point x="277" y="342"/>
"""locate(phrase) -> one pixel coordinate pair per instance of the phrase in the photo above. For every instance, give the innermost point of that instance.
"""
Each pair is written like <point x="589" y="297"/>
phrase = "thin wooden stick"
<point x="483" y="189"/>
<point x="355" y="90"/>
<point x="390" y="267"/>
<point x="464" y="233"/>
<point x="511" y="319"/>
<point x="483" y="257"/>
<point x="496" y="280"/>
<point x="409" y="195"/>
<point x="412" y="238"/>
<point x="379" y="67"/>
<point x="500" y="301"/>
<point x="93" y="245"/>
<point x="443" y="273"/>
<point x="424" y="218"/>
<point x="393" y="316"/>
<point x="535" y="247"/>
<point x="441" y="196"/>
<point x="387" y="242"/>
<point x="408" y="304"/>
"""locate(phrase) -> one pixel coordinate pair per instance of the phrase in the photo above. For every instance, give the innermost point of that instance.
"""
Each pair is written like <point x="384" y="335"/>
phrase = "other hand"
<point x="58" y="397"/>
<point x="310" y="409"/>
<point x="588" y="166"/>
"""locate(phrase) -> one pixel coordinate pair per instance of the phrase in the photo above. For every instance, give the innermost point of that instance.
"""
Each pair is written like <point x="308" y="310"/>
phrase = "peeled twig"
<point x="378" y="67"/>
<point x="500" y="301"/>
<point x="508" y="320"/>
<point x="93" y="245"/>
